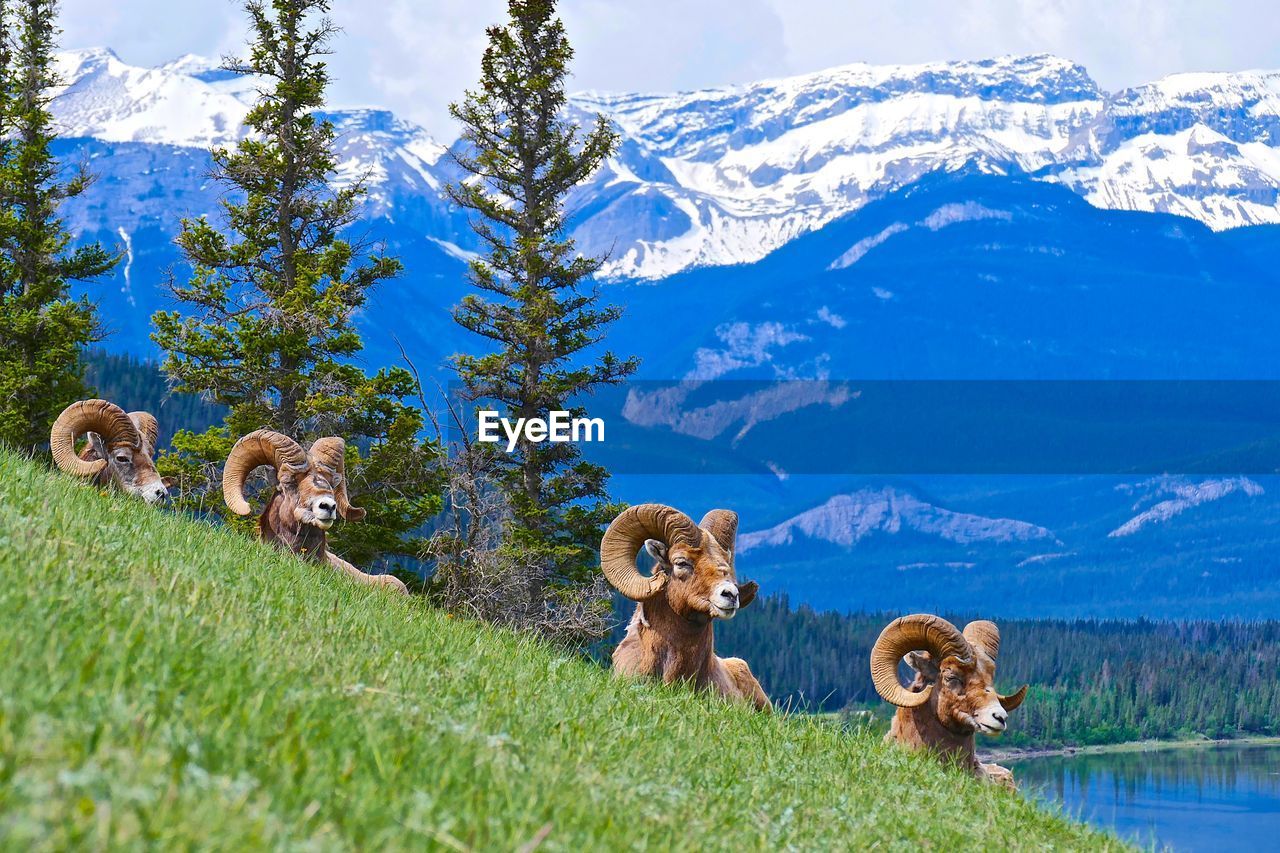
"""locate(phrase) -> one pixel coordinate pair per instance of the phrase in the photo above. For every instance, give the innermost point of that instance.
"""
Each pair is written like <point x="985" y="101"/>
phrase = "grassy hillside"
<point x="166" y="684"/>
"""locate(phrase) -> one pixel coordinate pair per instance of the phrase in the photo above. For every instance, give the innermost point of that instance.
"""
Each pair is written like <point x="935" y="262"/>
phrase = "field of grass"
<point x="164" y="684"/>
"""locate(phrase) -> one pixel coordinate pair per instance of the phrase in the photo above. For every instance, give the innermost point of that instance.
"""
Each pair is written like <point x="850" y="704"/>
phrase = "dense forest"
<point x="1091" y="681"/>
<point x="134" y="384"/>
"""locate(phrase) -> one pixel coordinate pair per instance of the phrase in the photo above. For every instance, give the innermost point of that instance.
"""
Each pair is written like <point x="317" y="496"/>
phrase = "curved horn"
<point x="106" y="419"/>
<point x="260" y="447"/>
<point x="626" y="535"/>
<point x="332" y="453"/>
<point x="907" y="634"/>
<point x="148" y="428"/>
<point x="984" y="635"/>
<point x="1013" y="700"/>
<point x="722" y="524"/>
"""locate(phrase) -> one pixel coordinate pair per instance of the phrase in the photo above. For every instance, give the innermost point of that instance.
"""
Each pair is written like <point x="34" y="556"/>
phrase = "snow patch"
<point x="859" y="250"/>
<point x="911" y="567"/>
<point x="969" y="211"/>
<point x="746" y="345"/>
<point x="127" y="239"/>
<point x="669" y="407"/>
<point x="1185" y="496"/>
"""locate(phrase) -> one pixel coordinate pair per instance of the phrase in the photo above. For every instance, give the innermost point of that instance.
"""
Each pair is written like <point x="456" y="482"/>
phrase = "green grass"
<point x="165" y="684"/>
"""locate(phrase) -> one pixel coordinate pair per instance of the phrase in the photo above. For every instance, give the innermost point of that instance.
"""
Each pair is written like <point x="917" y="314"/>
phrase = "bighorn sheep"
<point x="310" y="494"/>
<point x="953" y="695"/>
<point x="692" y="584"/>
<point x="119" y="450"/>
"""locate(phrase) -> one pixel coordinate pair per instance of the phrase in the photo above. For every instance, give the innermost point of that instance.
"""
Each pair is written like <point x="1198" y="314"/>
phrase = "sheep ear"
<point x="99" y="446"/>
<point x="922" y="662"/>
<point x="747" y="593"/>
<point x="657" y="550"/>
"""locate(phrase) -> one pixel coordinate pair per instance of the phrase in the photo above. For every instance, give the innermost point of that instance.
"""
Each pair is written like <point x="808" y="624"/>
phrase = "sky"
<point x="415" y="56"/>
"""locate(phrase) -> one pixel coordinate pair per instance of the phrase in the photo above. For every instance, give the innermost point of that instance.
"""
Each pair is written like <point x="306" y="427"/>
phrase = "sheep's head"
<point x="313" y="483"/>
<point x="955" y="672"/>
<point x="693" y="563"/>
<point x="121" y="446"/>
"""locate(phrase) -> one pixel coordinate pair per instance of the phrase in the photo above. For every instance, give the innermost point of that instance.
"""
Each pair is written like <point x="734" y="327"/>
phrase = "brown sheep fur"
<point x="671" y="636"/>
<point x="958" y="675"/>
<point x="945" y="724"/>
<point x="119" y="448"/>
<point x="310" y="495"/>
<point x="279" y="523"/>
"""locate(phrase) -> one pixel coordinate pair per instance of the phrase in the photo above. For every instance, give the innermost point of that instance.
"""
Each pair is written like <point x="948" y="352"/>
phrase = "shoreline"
<point x="1127" y="746"/>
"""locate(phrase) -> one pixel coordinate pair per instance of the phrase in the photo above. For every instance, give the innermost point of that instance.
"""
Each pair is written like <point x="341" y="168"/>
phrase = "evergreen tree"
<point x="522" y="156"/>
<point x="269" y="330"/>
<point x="43" y="328"/>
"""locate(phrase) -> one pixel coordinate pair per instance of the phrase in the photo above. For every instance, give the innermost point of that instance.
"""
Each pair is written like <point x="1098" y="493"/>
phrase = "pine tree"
<point x="522" y="156"/>
<point x="269" y="331"/>
<point x="44" y="329"/>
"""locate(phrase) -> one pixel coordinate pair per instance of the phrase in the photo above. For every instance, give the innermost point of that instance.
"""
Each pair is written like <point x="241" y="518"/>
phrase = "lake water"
<point x="1200" y="798"/>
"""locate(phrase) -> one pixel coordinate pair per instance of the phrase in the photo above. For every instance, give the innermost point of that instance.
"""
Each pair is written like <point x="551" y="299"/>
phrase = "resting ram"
<point x="309" y="496"/>
<point x="953" y="695"/>
<point x="119" y="450"/>
<point x="692" y="584"/>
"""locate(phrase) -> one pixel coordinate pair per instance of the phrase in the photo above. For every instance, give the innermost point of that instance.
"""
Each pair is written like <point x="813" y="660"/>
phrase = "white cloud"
<point x="415" y="56"/>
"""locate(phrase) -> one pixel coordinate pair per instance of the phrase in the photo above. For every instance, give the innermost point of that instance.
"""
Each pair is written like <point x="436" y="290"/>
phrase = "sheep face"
<point x="311" y="486"/>
<point x="312" y="495"/>
<point x="701" y="582"/>
<point x="119" y="448"/>
<point x="964" y="696"/>
<point x="130" y="468"/>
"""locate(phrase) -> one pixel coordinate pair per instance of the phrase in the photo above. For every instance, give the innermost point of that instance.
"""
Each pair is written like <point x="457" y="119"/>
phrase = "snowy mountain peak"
<point x="191" y="64"/>
<point x="107" y="99"/>
<point x="846" y="520"/>
<point x="740" y="171"/>
<point x="727" y="175"/>
<point x="70" y="61"/>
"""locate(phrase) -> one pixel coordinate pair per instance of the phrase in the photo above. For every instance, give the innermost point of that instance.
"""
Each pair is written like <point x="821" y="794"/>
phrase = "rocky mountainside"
<point x="848" y="519"/>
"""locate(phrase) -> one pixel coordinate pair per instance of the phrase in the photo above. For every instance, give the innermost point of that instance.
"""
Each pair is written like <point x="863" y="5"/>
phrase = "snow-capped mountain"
<point x="187" y="103"/>
<point x="728" y="175"/>
<point x="742" y="170"/>
<point x="191" y="103"/>
<point x="846" y="520"/>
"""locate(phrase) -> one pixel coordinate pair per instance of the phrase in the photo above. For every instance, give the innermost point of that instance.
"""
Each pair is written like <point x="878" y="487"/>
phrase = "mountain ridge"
<point x="726" y="175"/>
